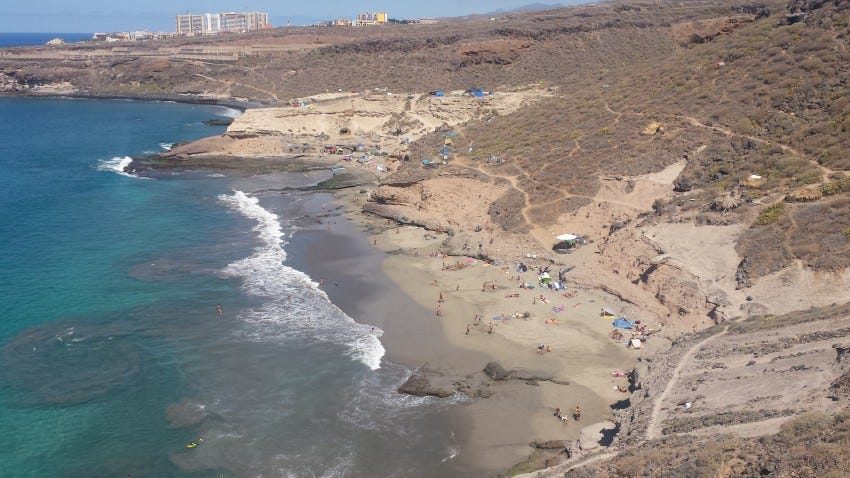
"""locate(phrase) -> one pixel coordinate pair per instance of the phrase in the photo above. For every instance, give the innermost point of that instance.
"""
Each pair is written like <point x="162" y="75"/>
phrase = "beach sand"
<point x="385" y="278"/>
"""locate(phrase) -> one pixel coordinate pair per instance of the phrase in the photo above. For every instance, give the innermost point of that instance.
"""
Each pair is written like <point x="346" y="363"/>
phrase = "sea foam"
<point x="297" y="308"/>
<point x="117" y="165"/>
<point x="227" y="112"/>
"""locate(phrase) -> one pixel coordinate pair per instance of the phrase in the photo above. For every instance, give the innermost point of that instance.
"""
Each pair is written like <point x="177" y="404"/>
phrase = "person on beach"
<point x="577" y="413"/>
<point x="434" y="283"/>
<point x="467" y="329"/>
<point x="219" y="309"/>
<point x="439" y="311"/>
<point x="441" y="299"/>
<point x="490" y="329"/>
<point x="557" y="412"/>
<point x="321" y="282"/>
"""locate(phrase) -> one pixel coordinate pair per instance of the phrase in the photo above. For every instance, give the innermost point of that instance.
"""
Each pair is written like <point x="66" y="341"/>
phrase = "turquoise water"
<point x="112" y="355"/>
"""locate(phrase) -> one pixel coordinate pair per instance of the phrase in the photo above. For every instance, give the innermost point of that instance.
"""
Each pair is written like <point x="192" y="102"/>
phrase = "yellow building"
<point x="378" y="18"/>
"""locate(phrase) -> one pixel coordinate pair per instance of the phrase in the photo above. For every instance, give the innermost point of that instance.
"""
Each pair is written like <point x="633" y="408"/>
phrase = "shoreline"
<point x="518" y="412"/>
<point x="234" y="103"/>
<point x="502" y="419"/>
<point x="501" y="424"/>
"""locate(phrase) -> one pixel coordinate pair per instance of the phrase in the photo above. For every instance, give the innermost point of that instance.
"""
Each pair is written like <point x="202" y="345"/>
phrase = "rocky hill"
<point x="703" y="147"/>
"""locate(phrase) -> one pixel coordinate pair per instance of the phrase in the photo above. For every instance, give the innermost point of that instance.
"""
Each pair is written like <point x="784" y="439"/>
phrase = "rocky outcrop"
<point x="427" y="382"/>
<point x="496" y="372"/>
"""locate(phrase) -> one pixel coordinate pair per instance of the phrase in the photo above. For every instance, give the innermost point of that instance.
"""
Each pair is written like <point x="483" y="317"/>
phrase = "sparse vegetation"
<point x="771" y="214"/>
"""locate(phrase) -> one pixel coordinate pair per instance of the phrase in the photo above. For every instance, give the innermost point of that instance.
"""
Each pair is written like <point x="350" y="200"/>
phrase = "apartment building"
<point x="190" y="24"/>
<point x="212" y="23"/>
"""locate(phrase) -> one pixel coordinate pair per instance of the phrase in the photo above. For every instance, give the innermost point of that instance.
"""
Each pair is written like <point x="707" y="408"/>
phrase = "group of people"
<point x="576" y="414"/>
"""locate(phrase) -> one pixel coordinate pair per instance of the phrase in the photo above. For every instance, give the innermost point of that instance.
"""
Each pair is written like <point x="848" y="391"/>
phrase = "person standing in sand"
<point x="490" y="329"/>
<point x="467" y="329"/>
<point x="439" y="311"/>
<point x="577" y="413"/>
<point x="441" y="299"/>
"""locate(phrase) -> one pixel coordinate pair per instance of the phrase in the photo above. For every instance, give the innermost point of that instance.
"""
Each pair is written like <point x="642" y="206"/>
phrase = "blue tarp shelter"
<point x="622" y="323"/>
<point x="439" y="93"/>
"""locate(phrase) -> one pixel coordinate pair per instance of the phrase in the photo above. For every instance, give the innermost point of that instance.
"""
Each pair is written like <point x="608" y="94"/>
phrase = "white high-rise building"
<point x="190" y="24"/>
<point x="211" y="23"/>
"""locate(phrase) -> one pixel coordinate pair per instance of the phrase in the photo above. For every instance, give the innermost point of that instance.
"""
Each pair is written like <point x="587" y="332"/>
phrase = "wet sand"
<point x="393" y="291"/>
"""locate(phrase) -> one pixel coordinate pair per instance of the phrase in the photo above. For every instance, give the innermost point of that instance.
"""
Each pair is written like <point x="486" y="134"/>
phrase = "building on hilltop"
<point x="377" y="18"/>
<point x="190" y="24"/>
<point x="212" y="23"/>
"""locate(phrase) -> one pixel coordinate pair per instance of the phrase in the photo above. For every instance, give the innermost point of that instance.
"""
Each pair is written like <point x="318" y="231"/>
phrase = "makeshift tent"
<point x="622" y="323"/>
<point x="544" y="278"/>
<point x="439" y="93"/>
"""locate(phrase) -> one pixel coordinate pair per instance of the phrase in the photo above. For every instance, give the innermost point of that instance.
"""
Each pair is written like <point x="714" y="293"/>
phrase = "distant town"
<point x="189" y="24"/>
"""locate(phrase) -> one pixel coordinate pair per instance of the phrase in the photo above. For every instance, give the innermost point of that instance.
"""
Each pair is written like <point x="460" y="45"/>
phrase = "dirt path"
<point x="656" y="418"/>
<point x="784" y="147"/>
<point x="232" y="83"/>
<point x="727" y="132"/>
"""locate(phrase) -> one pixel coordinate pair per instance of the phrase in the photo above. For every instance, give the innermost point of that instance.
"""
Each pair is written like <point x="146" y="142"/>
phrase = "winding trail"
<point x="232" y="83"/>
<point x="656" y="418"/>
<point x="693" y="121"/>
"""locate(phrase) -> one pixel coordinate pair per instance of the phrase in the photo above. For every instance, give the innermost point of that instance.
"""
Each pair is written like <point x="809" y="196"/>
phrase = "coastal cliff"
<point x="698" y="153"/>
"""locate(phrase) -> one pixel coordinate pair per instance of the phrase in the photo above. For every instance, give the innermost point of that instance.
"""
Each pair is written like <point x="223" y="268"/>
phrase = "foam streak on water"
<point x="117" y="165"/>
<point x="297" y="310"/>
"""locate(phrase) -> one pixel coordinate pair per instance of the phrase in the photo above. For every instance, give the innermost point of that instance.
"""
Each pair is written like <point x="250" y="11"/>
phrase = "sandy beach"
<point x="386" y="278"/>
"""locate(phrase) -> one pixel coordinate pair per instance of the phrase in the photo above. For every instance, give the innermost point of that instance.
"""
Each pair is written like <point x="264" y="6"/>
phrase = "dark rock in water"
<point x="548" y="445"/>
<point x="427" y="382"/>
<point x="495" y="371"/>
<point x="218" y="122"/>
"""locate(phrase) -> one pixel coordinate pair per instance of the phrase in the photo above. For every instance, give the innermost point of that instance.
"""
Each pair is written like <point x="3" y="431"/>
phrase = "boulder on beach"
<point x="427" y="382"/>
<point x="495" y="371"/>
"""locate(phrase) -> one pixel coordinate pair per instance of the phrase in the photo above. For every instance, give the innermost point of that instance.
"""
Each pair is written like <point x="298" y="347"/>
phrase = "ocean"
<point x="38" y="39"/>
<point x="113" y="357"/>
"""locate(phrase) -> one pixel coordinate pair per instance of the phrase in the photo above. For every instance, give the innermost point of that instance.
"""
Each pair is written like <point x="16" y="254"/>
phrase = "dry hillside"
<point x="702" y="146"/>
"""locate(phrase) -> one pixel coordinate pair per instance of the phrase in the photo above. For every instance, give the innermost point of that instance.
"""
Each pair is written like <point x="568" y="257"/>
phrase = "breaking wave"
<point x="298" y="309"/>
<point x="117" y="165"/>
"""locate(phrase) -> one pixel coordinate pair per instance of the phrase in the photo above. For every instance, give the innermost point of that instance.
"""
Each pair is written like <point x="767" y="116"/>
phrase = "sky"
<point x="88" y="16"/>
